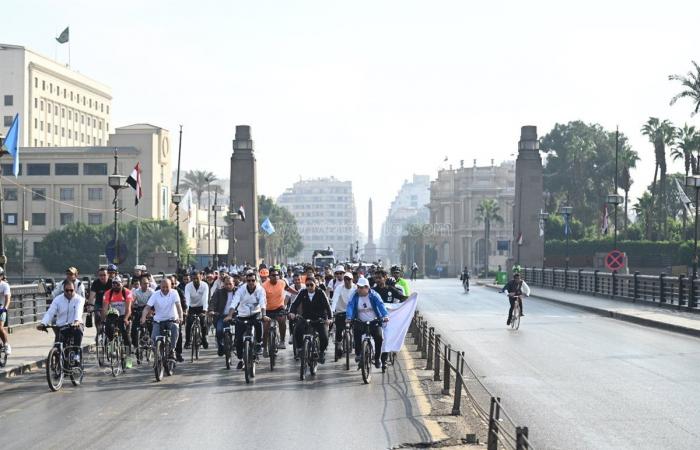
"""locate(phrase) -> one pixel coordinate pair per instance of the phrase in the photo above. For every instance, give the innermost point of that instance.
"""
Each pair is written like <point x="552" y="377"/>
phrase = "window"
<point x="43" y="85"/>
<point x="41" y="125"/>
<point x="66" y="194"/>
<point x="70" y="115"/>
<point x="88" y="140"/>
<point x="66" y="168"/>
<point x="10" y="194"/>
<point x="71" y="95"/>
<point x="94" y="193"/>
<point x="94" y="168"/>
<point x="48" y="127"/>
<point x="90" y="103"/>
<point x="36" y="247"/>
<point x="10" y="219"/>
<point x="48" y="107"/>
<point x="51" y="88"/>
<point x="36" y="125"/>
<point x="39" y="219"/>
<point x="36" y="82"/>
<point x="77" y="98"/>
<point x="107" y="109"/>
<point x="94" y="219"/>
<point x="70" y="133"/>
<point x="38" y="169"/>
<point x="38" y="193"/>
<point x="35" y="143"/>
<point x="82" y="137"/>
<point x="63" y="112"/>
<point x="102" y="107"/>
<point x="63" y="132"/>
<point x="82" y="119"/>
<point x="66" y="218"/>
<point x="7" y="120"/>
<point x="9" y="100"/>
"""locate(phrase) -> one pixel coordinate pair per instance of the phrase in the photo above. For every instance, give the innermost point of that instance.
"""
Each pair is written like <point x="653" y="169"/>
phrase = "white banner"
<point x="400" y="316"/>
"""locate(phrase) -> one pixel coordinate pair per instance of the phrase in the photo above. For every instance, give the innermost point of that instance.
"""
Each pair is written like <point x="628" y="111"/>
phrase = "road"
<point x="576" y="379"/>
<point x="204" y="405"/>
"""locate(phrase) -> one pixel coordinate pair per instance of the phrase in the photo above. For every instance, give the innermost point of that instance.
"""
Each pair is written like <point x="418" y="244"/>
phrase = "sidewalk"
<point x="635" y="312"/>
<point x="29" y="350"/>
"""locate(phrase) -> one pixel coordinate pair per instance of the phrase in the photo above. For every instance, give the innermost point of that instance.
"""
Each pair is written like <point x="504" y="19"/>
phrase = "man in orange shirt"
<point x="120" y="299"/>
<point x="275" y="292"/>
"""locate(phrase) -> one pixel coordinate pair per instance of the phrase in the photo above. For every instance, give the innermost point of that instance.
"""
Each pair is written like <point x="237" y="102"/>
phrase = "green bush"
<point x="639" y="253"/>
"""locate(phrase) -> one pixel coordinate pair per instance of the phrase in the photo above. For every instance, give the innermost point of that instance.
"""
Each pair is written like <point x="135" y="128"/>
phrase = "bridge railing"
<point x="28" y="304"/>
<point x="447" y="365"/>
<point x="679" y="291"/>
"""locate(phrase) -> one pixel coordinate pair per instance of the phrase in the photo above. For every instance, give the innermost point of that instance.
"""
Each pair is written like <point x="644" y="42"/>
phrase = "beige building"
<point x="455" y="233"/>
<point x="61" y="185"/>
<point x="58" y="107"/>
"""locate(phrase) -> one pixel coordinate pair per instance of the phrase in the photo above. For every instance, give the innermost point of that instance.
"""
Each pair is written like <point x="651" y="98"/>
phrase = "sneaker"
<point x="522" y="314"/>
<point x="239" y="365"/>
<point x="322" y="358"/>
<point x="220" y="351"/>
<point x="8" y="349"/>
<point x="258" y="349"/>
<point x="290" y="340"/>
<point x="179" y="358"/>
<point x="265" y="353"/>
<point x="508" y="322"/>
<point x="377" y="363"/>
<point x="188" y="345"/>
<point x="281" y="345"/>
<point x="172" y="355"/>
<point x="358" y="358"/>
<point x="205" y="344"/>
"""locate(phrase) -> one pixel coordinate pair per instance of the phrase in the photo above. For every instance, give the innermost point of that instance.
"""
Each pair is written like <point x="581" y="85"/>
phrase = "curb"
<point x="617" y="315"/>
<point x="31" y="367"/>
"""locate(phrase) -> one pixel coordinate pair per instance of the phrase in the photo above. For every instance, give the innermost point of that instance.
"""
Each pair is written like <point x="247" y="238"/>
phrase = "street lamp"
<point x="216" y="208"/>
<point x="567" y="212"/>
<point x="116" y="182"/>
<point x="177" y="199"/>
<point x="232" y="217"/>
<point x="544" y="217"/>
<point x="615" y="200"/>
<point x="694" y="182"/>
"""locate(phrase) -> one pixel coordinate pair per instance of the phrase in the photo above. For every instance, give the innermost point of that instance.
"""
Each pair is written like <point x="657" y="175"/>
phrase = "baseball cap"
<point x="112" y="268"/>
<point x="339" y="269"/>
<point x="347" y="275"/>
<point x="362" y="282"/>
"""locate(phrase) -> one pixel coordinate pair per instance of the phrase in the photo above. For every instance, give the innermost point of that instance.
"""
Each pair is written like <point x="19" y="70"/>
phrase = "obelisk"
<point x="243" y="235"/>
<point x="370" y="248"/>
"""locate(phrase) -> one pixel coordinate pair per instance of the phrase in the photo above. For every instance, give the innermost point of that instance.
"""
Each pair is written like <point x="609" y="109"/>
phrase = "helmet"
<point x="395" y="268"/>
<point x="140" y="267"/>
<point x="72" y="270"/>
<point x="112" y="268"/>
<point x="264" y="272"/>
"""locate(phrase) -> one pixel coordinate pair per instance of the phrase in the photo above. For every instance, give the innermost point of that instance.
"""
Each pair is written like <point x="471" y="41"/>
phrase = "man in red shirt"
<point x="118" y="299"/>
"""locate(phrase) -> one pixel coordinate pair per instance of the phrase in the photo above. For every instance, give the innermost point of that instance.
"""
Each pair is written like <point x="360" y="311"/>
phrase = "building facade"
<point x="408" y="207"/>
<point x="61" y="185"/>
<point x="455" y="232"/>
<point x="58" y="107"/>
<point x="325" y="214"/>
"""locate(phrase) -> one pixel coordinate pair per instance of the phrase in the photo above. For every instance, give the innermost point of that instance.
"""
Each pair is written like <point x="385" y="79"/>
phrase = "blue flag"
<point x="267" y="226"/>
<point x="11" y="144"/>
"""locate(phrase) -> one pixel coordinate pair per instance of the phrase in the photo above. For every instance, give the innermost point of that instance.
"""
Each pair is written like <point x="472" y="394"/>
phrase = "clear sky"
<point x="371" y="91"/>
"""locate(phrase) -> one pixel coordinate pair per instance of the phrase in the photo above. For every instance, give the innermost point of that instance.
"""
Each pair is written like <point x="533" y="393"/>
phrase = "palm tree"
<point x="687" y="142"/>
<point x="628" y="159"/>
<point x="660" y="133"/>
<point x="691" y="85"/>
<point x="487" y="212"/>
<point x="199" y="181"/>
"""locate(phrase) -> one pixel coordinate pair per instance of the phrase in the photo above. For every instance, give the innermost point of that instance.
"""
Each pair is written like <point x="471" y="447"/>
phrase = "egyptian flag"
<point x="134" y="180"/>
<point x="241" y="212"/>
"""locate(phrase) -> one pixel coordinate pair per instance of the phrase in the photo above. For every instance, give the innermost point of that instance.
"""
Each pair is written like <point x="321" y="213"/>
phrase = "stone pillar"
<point x="370" y="247"/>
<point x="529" y="200"/>
<point x="244" y="193"/>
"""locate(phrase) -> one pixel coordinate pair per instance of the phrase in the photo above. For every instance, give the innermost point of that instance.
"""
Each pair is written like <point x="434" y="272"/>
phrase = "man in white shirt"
<point x="68" y="310"/>
<point x="71" y="275"/>
<point x="166" y="302"/>
<point x="339" y="303"/>
<point x="5" y="297"/>
<point x="249" y="303"/>
<point x="197" y="299"/>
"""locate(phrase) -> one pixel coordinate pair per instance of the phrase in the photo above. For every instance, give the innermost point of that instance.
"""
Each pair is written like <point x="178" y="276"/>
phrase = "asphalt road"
<point x="577" y="380"/>
<point x="204" y="405"/>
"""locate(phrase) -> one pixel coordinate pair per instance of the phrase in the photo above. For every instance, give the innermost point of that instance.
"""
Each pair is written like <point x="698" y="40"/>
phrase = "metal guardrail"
<point x="679" y="291"/>
<point x="28" y="305"/>
<point x="502" y="430"/>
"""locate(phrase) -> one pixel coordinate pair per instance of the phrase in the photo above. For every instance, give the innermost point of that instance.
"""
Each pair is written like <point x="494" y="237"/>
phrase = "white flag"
<point x="400" y="316"/>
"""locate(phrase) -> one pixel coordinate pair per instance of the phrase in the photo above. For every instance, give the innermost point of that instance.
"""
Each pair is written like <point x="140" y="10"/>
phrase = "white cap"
<point x="339" y="269"/>
<point x="348" y="275"/>
<point x="362" y="282"/>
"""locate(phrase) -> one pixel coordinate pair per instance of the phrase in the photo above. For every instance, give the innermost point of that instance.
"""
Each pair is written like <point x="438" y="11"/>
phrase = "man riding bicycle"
<point x="388" y="294"/>
<point x="217" y="306"/>
<point x="275" y="295"/>
<point x="312" y="303"/>
<point x="249" y="303"/>
<point x="397" y="274"/>
<point x="366" y="306"/>
<point x="464" y="278"/>
<point x="120" y="299"/>
<point x="141" y="297"/>
<point x="67" y="308"/>
<point x="516" y="288"/>
<point x="197" y="298"/>
<point x="167" y="305"/>
<point x="339" y="304"/>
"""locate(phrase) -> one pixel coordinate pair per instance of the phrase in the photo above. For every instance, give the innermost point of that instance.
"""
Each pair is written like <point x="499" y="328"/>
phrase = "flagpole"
<point x="138" y="225"/>
<point x="69" y="47"/>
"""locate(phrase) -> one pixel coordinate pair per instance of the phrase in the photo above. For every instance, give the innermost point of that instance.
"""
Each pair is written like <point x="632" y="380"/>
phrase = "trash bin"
<point x="501" y="277"/>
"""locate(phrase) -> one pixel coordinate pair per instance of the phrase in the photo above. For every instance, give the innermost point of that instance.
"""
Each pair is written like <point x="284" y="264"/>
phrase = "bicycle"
<point x="100" y="342"/>
<point x="196" y="333"/>
<point x="465" y="284"/>
<point x="367" y="351"/>
<point x="115" y="349"/>
<point x="229" y="333"/>
<point x="162" y="362"/>
<point x="515" y="315"/>
<point x="144" y="343"/>
<point x="250" y="355"/>
<point x="344" y="346"/>
<point x="3" y="354"/>
<point x="273" y="338"/>
<point x="310" y="350"/>
<point x="63" y="359"/>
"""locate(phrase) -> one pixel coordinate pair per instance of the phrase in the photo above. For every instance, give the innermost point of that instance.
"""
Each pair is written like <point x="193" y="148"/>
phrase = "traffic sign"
<point x="114" y="256"/>
<point x="615" y="260"/>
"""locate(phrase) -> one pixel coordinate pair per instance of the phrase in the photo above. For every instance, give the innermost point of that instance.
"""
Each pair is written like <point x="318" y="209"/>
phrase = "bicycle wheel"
<point x="158" y="362"/>
<point x="169" y="362"/>
<point x="272" y="347"/>
<point x="3" y="356"/>
<point x="515" y="319"/>
<point x="100" y="348"/>
<point x="54" y="369"/>
<point x="313" y="357"/>
<point x="303" y="355"/>
<point x="116" y="362"/>
<point x="227" y="349"/>
<point x="367" y="361"/>
<point x="347" y="348"/>
<point x="247" y="359"/>
<point x="76" y="374"/>
<point x="195" y="339"/>
<point x="146" y="345"/>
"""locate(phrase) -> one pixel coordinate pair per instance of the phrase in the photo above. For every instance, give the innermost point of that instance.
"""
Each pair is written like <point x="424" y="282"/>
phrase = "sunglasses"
<point x="68" y="290"/>
<point x="250" y="281"/>
<point x="362" y="287"/>
<point x="310" y="285"/>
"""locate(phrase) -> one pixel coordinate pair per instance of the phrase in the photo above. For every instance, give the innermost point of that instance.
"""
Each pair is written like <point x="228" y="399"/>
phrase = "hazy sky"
<point x="371" y="91"/>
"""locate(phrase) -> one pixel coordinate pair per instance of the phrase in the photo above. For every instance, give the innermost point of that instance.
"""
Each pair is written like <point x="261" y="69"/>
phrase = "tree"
<point x="691" y="87"/>
<point x="487" y="212"/>
<point x="13" y="252"/>
<point x="687" y="142"/>
<point x="628" y="161"/>
<point x="199" y="181"/>
<point x="661" y="133"/>
<point x="285" y="242"/>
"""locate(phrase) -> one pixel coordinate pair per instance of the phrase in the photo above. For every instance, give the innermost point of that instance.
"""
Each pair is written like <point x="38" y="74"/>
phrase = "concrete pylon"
<point x="529" y="200"/>
<point x="370" y="247"/>
<point x="243" y="236"/>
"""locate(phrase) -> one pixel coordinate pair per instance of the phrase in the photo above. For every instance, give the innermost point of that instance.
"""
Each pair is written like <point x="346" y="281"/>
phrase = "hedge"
<point x="639" y="253"/>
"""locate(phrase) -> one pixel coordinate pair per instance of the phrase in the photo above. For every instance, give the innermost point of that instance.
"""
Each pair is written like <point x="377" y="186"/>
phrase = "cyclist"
<point x="367" y="306"/>
<point x="298" y="285"/>
<point x="166" y="302"/>
<point x="337" y="280"/>
<point x="112" y="271"/>
<point x="5" y="297"/>
<point x="141" y="297"/>
<point x="248" y="303"/>
<point x="275" y="294"/>
<point x="67" y="308"/>
<point x="414" y="271"/>
<point x="217" y="304"/>
<point x="72" y="275"/>
<point x="464" y="277"/>
<point x="516" y="288"/>
<point x="264" y="274"/>
<point x="312" y="303"/>
<point x="178" y="288"/>
<point x="397" y="274"/>
<point x="388" y="294"/>
<point x="341" y="296"/>
<point x="119" y="298"/>
<point x="197" y="298"/>
<point x="141" y="270"/>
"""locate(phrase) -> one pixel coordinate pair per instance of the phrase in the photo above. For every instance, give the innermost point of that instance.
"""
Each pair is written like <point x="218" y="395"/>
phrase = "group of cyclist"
<point x="323" y="297"/>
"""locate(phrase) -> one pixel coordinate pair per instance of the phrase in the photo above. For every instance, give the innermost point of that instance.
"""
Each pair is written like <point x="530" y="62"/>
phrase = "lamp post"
<point x="567" y="212"/>
<point x="233" y="216"/>
<point x="544" y="217"/>
<point x="694" y="182"/>
<point x="176" y="199"/>
<point x="615" y="200"/>
<point x="116" y="182"/>
<point x="216" y="209"/>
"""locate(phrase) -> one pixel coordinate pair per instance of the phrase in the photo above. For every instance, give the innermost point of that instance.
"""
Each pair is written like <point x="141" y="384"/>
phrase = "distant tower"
<point x="529" y="200"/>
<point x="370" y="248"/>
<point x="243" y="236"/>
